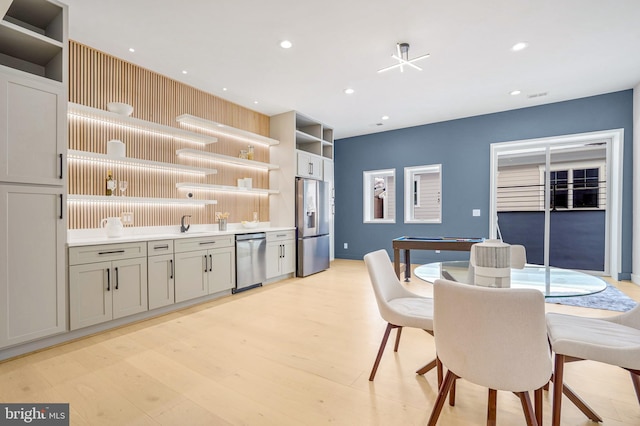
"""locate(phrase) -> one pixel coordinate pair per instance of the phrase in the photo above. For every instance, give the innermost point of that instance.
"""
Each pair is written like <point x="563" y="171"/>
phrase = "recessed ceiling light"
<point x="255" y="102"/>
<point x="131" y="49"/>
<point x="515" y="92"/>
<point x="184" y="71"/>
<point x="224" y="89"/>
<point x="349" y="91"/>
<point x="286" y="44"/>
<point x="519" y="46"/>
<point x="385" y="117"/>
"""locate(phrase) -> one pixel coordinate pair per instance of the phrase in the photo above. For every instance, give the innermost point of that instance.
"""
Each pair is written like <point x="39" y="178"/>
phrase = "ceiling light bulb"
<point x="131" y="49"/>
<point x="255" y="102"/>
<point x="286" y="44"/>
<point x="224" y="89"/>
<point x="515" y="92"/>
<point x="184" y="71"/>
<point x="385" y="117"/>
<point x="519" y="46"/>
<point x="349" y="91"/>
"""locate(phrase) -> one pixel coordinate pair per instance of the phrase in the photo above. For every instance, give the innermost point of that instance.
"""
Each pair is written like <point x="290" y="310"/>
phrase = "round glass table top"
<point x="552" y="282"/>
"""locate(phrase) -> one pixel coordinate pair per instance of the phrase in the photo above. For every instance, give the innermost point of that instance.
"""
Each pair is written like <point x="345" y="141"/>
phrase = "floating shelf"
<point x="137" y="200"/>
<point x="226" y="188"/>
<point x="128" y="161"/>
<point x="85" y="112"/>
<point x="224" y="130"/>
<point x="225" y="159"/>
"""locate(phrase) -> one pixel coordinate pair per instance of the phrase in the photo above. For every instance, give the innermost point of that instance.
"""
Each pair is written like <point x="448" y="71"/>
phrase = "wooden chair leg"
<point x="491" y="407"/>
<point x="529" y="414"/>
<point x="635" y="378"/>
<point x="398" y="333"/>
<point x="452" y="394"/>
<point x="537" y="398"/>
<point x="381" y="350"/>
<point x="558" y="373"/>
<point x="442" y="395"/>
<point x="428" y="367"/>
<point x="440" y="371"/>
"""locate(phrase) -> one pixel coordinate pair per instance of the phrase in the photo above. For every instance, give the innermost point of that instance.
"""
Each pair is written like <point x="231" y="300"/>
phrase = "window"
<point x="423" y="194"/>
<point x="379" y="203"/>
<point x="559" y="189"/>
<point x="585" y="188"/>
<point x="575" y="188"/>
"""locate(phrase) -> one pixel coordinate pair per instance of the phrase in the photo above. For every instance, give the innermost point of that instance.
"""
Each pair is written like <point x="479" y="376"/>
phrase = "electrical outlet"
<point x="476" y="212"/>
<point x="346" y="246"/>
<point x="437" y="251"/>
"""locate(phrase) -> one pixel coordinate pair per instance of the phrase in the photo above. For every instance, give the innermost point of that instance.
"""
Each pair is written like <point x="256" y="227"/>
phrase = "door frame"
<point x="614" y="162"/>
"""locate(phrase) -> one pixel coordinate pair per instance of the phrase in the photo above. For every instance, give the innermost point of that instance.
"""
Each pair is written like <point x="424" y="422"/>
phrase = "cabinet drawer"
<point x="281" y="235"/>
<point x="92" y="254"/>
<point x="204" y="243"/>
<point x="156" y="248"/>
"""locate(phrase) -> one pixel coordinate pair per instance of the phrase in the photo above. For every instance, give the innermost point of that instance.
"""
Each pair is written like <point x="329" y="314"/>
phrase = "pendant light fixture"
<point x="402" y="56"/>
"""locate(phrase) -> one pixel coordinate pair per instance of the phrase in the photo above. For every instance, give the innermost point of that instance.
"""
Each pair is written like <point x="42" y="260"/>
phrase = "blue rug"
<point x="610" y="298"/>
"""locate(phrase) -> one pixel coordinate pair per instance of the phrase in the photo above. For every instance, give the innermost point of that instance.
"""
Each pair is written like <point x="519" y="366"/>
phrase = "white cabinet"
<point x="281" y="253"/>
<point x="32" y="263"/>
<point x="32" y="142"/>
<point x="309" y="165"/>
<point x="204" y="265"/>
<point x="106" y="282"/>
<point x="161" y="272"/>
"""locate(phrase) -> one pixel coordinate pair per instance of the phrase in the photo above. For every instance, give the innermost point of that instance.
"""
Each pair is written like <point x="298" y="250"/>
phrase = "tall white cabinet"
<point x="33" y="99"/>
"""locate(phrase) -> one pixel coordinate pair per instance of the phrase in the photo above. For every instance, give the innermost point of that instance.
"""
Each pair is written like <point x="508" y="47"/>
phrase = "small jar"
<point x="250" y="153"/>
<point x="243" y="154"/>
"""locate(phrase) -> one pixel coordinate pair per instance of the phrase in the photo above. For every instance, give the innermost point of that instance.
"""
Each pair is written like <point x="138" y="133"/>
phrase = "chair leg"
<point x="381" y="350"/>
<point x="452" y="394"/>
<point x="537" y="398"/>
<point x="442" y="395"/>
<point x="491" y="407"/>
<point x="428" y="367"/>
<point x="558" y="373"/>
<point x="398" y="333"/>
<point x="635" y="378"/>
<point x="529" y="414"/>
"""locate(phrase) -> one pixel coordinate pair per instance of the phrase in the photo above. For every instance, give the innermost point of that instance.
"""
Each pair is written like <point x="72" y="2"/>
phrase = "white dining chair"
<point x="613" y="340"/>
<point x="397" y="305"/>
<point x="493" y="337"/>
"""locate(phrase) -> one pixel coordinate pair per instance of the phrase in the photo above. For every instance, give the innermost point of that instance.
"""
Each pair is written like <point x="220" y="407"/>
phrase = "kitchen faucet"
<point x="182" y="227"/>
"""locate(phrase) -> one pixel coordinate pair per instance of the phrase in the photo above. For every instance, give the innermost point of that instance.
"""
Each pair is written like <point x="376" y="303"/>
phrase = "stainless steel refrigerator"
<point x="312" y="225"/>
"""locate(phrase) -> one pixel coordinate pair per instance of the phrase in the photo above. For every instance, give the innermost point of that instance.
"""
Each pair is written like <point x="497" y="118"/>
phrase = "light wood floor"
<point x="297" y="352"/>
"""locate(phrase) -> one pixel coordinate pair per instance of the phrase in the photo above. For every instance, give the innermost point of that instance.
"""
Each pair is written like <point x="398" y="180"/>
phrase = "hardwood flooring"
<point x="298" y="352"/>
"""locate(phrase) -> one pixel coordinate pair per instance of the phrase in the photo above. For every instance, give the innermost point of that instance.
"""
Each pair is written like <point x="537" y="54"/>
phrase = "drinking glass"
<point x="123" y="187"/>
<point x="112" y="185"/>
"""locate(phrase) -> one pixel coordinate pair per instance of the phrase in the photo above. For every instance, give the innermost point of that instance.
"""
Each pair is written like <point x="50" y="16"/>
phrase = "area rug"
<point x="610" y="298"/>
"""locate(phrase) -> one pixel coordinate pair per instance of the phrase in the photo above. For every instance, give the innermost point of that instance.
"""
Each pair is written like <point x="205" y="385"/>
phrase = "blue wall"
<point x="462" y="147"/>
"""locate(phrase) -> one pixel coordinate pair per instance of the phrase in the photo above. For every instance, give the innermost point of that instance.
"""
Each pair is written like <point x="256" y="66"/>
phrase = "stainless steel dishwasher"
<point x="251" y="260"/>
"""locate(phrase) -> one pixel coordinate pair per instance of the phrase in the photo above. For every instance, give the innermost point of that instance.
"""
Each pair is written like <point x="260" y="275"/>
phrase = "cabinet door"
<point x="288" y="260"/>
<point x="32" y="263"/>
<point x="129" y="286"/>
<point x="223" y="272"/>
<point x="160" y="280"/>
<point x="33" y="137"/>
<point x="90" y="289"/>
<point x="192" y="270"/>
<point x="274" y="251"/>
<point x="316" y="166"/>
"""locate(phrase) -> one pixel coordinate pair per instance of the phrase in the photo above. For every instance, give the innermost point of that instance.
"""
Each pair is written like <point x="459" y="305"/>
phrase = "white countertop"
<point x="87" y="237"/>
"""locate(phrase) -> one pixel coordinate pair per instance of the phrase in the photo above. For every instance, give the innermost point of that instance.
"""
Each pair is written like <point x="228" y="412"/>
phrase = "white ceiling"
<point x="577" y="48"/>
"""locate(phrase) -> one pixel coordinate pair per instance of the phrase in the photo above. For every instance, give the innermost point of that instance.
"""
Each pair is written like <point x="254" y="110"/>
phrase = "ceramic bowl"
<point x="120" y="108"/>
<point x="250" y="225"/>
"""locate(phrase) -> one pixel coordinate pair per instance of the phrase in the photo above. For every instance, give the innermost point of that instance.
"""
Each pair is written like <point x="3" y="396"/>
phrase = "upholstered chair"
<point x="397" y="305"/>
<point x="493" y="337"/>
<point x="614" y="340"/>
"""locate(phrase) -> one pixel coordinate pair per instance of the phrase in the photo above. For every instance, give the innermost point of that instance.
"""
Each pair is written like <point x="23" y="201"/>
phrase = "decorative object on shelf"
<point x="120" y="108"/>
<point x="222" y="220"/>
<point x="113" y="226"/>
<point x="241" y="183"/>
<point x="109" y="184"/>
<point x="249" y="225"/>
<point x="243" y="154"/>
<point x="250" y="152"/>
<point x="116" y="148"/>
<point x="123" y="186"/>
<point x="189" y="194"/>
<point x="402" y="56"/>
<point x="248" y="183"/>
<point x="127" y="218"/>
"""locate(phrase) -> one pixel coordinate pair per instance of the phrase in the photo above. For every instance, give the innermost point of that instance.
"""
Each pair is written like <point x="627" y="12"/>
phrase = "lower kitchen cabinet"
<point x="161" y="272"/>
<point x="32" y="263"/>
<point x="105" y="290"/>
<point x="281" y="253"/>
<point x="204" y="265"/>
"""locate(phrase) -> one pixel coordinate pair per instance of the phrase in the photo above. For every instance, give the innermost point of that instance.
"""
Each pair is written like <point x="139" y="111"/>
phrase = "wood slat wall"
<point x="97" y="78"/>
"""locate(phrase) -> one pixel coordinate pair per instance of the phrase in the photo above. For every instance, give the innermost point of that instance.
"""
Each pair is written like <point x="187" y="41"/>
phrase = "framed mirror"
<point x="379" y="192"/>
<point x="423" y="194"/>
